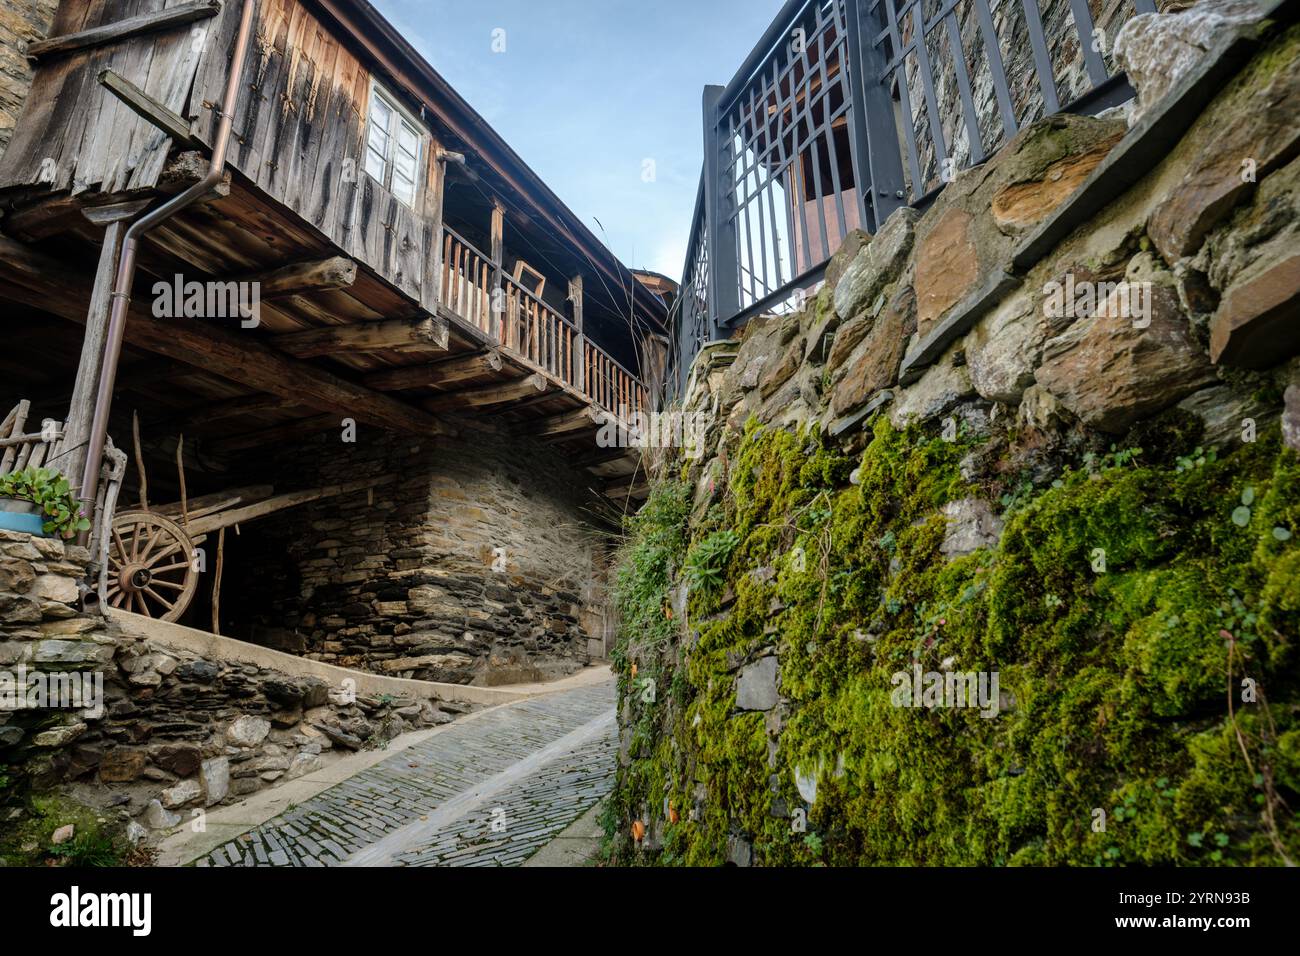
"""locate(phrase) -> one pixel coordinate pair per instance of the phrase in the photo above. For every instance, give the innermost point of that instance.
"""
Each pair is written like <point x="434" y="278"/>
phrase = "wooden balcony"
<point x="533" y="332"/>
<point x="334" y="341"/>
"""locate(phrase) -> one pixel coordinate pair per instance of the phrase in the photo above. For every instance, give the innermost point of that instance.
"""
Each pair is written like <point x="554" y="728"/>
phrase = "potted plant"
<point x="40" y="501"/>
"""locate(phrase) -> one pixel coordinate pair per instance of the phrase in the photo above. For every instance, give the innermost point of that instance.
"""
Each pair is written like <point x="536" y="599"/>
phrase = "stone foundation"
<point x="477" y="562"/>
<point x="158" y="734"/>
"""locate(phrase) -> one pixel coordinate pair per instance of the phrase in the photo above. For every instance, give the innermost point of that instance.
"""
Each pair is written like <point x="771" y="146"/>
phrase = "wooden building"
<point x="370" y="251"/>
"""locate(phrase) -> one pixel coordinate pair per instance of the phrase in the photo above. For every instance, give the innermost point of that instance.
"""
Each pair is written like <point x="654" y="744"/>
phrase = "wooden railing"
<point x="611" y="386"/>
<point x="467" y="281"/>
<point x="538" y="332"/>
<point x="533" y="330"/>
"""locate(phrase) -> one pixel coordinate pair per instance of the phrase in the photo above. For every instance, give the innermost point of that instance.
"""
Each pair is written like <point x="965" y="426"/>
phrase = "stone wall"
<point x="166" y="733"/>
<point x="21" y="21"/>
<point x="938" y="466"/>
<point x="477" y="561"/>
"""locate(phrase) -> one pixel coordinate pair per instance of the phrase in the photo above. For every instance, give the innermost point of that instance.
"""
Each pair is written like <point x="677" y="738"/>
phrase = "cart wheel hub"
<point x="135" y="577"/>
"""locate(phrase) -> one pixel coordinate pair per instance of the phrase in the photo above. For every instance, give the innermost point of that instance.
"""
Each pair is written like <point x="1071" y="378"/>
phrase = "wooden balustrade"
<point x="612" y="386"/>
<point x="467" y="281"/>
<point x="538" y="332"/>
<point x="535" y="331"/>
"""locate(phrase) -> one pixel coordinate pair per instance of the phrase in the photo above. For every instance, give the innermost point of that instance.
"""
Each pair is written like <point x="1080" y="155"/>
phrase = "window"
<point x="393" y="146"/>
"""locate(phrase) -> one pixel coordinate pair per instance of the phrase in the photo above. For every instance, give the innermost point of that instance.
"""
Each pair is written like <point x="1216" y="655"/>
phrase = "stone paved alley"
<point x="489" y="790"/>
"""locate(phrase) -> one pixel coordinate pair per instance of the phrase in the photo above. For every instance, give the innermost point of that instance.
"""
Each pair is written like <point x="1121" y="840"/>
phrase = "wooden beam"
<point x="275" y="435"/>
<point x="404" y="335"/>
<point x="234" y="356"/>
<point x="450" y="372"/>
<point x="604" y="456"/>
<point x="114" y="212"/>
<point x="196" y="416"/>
<point x="150" y="110"/>
<point x="635" y="485"/>
<point x="260" y="509"/>
<point x="123" y="29"/>
<point x="494" y="394"/>
<point x="317" y="275"/>
<point x="565" y="423"/>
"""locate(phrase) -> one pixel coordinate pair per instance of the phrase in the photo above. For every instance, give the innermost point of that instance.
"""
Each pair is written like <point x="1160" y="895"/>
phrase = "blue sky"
<point x="588" y="90"/>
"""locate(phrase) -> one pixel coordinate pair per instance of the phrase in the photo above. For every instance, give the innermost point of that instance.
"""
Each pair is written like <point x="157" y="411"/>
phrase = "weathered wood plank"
<point x="421" y="334"/>
<point x="149" y="109"/>
<point x="296" y="278"/>
<point x="494" y="394"/>
<point x="259" y="509"/>
<point x="565" y="423"/>
<point x="441" y="374"/>
<point x="124" y="29"/>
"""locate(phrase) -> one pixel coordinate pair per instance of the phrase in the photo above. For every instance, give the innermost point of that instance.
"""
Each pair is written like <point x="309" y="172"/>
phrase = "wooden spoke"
<point x="141" y="543"/>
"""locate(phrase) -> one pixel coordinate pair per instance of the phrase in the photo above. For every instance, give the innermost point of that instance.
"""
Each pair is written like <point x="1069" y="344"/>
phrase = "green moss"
<point x="30" y="842"/>
<point x="1121" y="607"/>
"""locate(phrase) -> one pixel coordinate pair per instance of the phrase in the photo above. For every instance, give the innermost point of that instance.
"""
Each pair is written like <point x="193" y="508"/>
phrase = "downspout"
<point x="126" y="264"/>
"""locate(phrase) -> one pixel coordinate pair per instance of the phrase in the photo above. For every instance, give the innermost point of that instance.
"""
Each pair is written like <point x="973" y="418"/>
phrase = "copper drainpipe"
<point x="126" y="263"/>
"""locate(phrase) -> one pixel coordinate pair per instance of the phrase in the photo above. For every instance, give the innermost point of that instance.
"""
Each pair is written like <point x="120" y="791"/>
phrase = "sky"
<point x="600" y="97"/>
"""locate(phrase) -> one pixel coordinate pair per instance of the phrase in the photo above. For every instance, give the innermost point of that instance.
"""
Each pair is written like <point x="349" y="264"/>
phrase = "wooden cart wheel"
<point x="150" y="566"/>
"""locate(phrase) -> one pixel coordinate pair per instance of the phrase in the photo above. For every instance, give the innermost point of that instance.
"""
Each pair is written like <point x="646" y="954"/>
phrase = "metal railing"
<point x="521" y="322"/>
<point x="848" y="109"/>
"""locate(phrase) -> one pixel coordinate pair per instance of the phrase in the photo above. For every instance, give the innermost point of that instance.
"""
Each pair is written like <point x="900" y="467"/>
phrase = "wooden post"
<point x="434" y="294"/>
<point x="81" y="412"/>
<point x="579" y="340"/>
<point x="498" y="260"/>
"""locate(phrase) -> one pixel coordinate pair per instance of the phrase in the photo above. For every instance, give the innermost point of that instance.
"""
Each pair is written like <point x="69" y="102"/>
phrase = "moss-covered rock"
<point x="1122" y="610"/>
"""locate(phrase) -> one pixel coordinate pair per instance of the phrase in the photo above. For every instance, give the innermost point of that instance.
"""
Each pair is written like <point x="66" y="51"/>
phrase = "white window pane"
<point x="375" y="165"/>
<point x="405" y="165"/>
<point x="381" y="114"/>
<point x="408" y="139"/>
<point x="404" y="188"/>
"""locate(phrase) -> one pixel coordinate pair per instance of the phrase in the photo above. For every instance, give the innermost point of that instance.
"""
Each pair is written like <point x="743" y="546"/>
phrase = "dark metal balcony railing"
<point x="848" y="109"/>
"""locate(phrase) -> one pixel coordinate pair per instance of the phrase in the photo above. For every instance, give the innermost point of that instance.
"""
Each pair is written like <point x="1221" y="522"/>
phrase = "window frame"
<point x="399" y="117"/>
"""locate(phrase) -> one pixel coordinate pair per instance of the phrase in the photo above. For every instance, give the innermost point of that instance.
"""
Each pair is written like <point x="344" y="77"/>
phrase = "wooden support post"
<point x="498" y="260"/>
<point x="433" y="293"/>
<point x="216" y="581"/>
<point x="579" y="340"/>
<point x="71" y="460"/>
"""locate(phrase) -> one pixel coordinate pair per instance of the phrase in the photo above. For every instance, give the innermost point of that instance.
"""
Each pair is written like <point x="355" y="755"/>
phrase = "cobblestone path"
<point x="488" y="790"/>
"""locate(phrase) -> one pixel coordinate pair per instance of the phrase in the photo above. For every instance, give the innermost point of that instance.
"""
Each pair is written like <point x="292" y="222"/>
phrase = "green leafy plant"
<point x="49" y="491"/>
<point x="91" y="849"/>
<point x="707" y="561"/>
